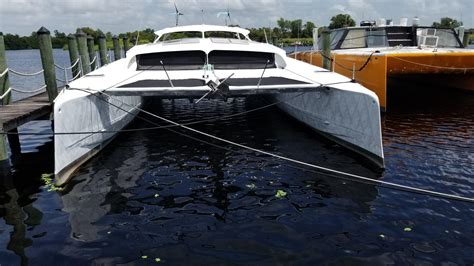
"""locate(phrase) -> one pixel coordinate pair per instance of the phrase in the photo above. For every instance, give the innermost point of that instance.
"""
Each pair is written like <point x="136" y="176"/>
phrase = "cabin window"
<point x="354" y="39"/>
<point x="447" y="38"/>
<point x="182" y="60"/>
<point x="221" y="34"/>
<point x="377" y="38"/>
<point x="241" y="60"/>
<point x="180" y="35"/>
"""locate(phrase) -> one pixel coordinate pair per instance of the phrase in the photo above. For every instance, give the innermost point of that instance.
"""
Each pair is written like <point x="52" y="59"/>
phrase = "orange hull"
<point x="446" y="69"/>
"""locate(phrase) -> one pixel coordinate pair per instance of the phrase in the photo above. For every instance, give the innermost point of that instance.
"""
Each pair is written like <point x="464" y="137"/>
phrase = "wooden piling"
<point x="126" y="46"/>
<point x="92" y="53"/>
<point x="4" y="82"/>
<point x="83" y="52"/>
<point x="47" y="60"/>
<point x="117" y="54"/>
<point x="73" y="54"/>
<point x="4" y="86"/>
<point x="104" y="59"/>
<point x="326" y="49"/>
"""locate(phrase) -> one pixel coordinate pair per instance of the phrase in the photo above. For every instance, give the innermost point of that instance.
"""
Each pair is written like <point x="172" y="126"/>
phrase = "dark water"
<point x="163" y="195"/>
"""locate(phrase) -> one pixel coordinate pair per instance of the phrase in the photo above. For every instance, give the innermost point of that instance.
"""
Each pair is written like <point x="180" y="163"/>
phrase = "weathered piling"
<point x="4" y="82"/>
<point x="83" y="52"/>
<point x="117" y="54"/>
<point x="326" y="48"/>
<point x="4" y="86"/>
<point x="73" y="54"/>
<point x="104" y="59"/>
<point x="465" y="39"/>
<point x="92" y="53"/>
<point x="126" y="46"/>
<point x="47" y="60"/>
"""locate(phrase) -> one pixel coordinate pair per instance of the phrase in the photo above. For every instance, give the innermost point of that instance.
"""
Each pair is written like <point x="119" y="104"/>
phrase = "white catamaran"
<point x="200" y="61"/>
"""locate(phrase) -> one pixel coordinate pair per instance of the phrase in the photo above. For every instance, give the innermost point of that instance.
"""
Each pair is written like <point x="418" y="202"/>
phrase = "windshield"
<point x="444" y="38"/>
<point x="180" y="35"/>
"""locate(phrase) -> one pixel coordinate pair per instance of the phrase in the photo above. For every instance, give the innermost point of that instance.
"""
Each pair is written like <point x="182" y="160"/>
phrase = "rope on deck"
<point x="26" y="74"/>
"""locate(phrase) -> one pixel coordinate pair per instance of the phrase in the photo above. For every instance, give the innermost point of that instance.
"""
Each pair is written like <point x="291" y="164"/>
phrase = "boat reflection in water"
<point x="173" y="195"/>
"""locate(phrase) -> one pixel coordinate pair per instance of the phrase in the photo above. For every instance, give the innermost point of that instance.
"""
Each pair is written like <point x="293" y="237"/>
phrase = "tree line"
<point x="59" y="40"/>
<point x="287" y="32"/>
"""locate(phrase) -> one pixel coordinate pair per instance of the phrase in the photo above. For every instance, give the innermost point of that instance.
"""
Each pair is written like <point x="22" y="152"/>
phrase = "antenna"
<point x="227" y="14"/>
<point x="202" y="16"/>
<point x="177" y="14"/>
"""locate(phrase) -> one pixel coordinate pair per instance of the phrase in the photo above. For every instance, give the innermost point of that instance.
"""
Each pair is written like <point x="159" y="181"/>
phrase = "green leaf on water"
<point x="407" y="229"/>
<point x="157" y="195"/>
<point x="157" y="259"/>
<point x="280" y="193"/>
<point x="49" y="183"/>
<point x="382" y="236"/>
<point x="144" y="257"/>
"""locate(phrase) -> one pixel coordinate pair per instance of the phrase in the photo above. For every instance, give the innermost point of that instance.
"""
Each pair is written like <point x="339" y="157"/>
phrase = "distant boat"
<point x="374" y="54"/>
<point x="195" y="61"/>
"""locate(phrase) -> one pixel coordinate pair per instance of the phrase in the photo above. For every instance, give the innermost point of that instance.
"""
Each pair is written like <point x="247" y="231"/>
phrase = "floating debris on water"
<point x="280" y="193"/>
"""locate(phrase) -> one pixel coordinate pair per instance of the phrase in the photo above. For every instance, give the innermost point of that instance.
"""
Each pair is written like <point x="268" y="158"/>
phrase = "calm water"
<point x="164" y="195"/>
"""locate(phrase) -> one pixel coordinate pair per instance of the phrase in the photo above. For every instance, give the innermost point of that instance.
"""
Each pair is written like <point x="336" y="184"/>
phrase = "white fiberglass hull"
<point x="349" y="118"/>
<point x="79" y="111"/>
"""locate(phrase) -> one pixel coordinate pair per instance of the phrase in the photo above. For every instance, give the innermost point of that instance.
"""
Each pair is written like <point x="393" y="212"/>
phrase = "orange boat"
<point x="373" y="55"/>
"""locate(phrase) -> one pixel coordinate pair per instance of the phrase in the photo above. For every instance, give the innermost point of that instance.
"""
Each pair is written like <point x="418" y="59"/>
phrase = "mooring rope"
<point x="26" y="74"/>
<point x="33" y="91"/>
<point x="67" y="68"/>
<point x="6" y="93"/>
<point x="4" y="72"/>
<point x="90" y="64"/>
<point x="363" y="179"/>
<point x="433" y="66"/>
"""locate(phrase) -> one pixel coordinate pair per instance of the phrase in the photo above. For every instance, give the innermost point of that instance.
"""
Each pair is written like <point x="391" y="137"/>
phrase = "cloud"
<point x="25" y="16"/>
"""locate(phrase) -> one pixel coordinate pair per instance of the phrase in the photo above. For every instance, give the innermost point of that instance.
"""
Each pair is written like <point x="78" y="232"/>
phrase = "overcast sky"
<point x="117" y="16"/>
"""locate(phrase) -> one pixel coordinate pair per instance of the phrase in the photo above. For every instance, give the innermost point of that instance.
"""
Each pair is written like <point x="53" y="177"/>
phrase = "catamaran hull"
<point x="88" y="113"/>
<point x="349" y="118"/>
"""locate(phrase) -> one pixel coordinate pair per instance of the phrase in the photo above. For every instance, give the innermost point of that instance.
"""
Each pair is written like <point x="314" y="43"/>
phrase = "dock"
<point x="21" y="112"/>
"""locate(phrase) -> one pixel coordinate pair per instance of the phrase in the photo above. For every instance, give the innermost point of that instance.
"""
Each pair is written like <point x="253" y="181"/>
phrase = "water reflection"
<point x="16" y="207"/>
<point x="159" y="188"/>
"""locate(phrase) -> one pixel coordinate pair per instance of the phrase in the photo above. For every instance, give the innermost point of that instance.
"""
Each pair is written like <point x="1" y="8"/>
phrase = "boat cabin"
<point x="390" y="36"/>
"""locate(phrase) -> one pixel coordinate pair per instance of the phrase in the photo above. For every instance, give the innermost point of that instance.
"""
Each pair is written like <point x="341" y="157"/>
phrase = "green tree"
<point x="308" y="29"/>
<point x="447" y="23"/>
<point x="296" y="28"/>
<point x="341" y="21"/>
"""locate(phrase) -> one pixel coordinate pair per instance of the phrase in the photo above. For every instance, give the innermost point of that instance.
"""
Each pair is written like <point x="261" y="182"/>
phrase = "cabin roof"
<point x="201" y="28"/>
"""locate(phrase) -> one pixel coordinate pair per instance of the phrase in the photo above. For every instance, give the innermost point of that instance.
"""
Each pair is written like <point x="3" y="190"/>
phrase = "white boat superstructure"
<point x="206" y="61"/>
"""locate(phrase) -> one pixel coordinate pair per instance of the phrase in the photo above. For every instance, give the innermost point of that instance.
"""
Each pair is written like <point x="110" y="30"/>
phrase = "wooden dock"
<point x="21" y="112"/>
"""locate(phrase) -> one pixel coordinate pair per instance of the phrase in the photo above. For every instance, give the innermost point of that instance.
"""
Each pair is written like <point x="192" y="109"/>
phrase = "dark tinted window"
<point x="241" y="60"/>
<point x="182" y="60"/>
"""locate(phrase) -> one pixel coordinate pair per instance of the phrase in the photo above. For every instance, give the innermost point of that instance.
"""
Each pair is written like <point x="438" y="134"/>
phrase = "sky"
<point x="117" y="16"/>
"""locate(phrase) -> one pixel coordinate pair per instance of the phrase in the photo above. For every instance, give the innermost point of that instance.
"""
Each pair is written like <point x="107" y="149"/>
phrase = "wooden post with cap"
<point x="92" y="53"/>
<point x="126" y="45"/>
<point x="47" y="60"/>
<point x="117" y="55"/>
<point x="104" y="59"/>
<point x="83" y="52"/>
<point x="326" y="49"/>
<point x="73" y="54"/>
